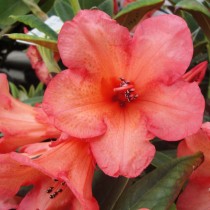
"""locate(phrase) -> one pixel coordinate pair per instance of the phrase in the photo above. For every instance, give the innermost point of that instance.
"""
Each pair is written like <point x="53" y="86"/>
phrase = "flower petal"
<point x="124" y="149"/>
<point x="195" y="143"/>
<point x="72" y="162"/>
<point x="40" y="199"/>
<point x="161" y="50"/>
<point x="195" y="196"/>
<point x="20" y="123"/>
<point x="172" y="112"/>
<point x="13" y="176"/>
<point x="75" y="105"/>
<point x="94" y="42"/>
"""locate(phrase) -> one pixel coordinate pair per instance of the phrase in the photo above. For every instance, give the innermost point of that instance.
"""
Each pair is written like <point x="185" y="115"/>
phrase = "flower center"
<point x="125" y="93"/>
<point x="56" y="189"/>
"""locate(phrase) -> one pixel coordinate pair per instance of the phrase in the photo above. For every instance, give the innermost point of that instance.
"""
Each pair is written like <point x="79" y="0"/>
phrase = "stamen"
<point x="55" y="190"/>
<point x="125" y="92"/>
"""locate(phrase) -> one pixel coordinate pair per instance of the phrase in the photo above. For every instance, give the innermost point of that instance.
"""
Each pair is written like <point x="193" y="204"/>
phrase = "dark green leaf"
<point x="132" y="13"/>
<point x="51" y="44"/>
<point x="199" y="12"/>
<point x="47" y="5"/>
<point x="160" y="159"/>
<point x="12" y="7"/>
<point x="159" y="189"/>
<point x="63" y="10"/>
<point x="173" y="207"/>
<point x="35" y="22"/>
<point x="107" y="189"/>
<point x="84" y="4"/>
<point x="107" y="6"/>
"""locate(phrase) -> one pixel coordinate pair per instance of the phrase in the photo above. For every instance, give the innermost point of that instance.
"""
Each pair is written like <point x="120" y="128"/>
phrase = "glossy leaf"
<point x="160" y="159"/>
<point x="35" y="22"/>
<point x="12" y="7"/>
<point x="63" y="10"/>
<point x="199" y="12"/>
<point x="107" y="189"/>
<point x="84" y="4"/>
<point x="132" y="13"/>
<point x="159" y="189"/>
<point x="51" y="44"/>
<point x="107" y="6"/>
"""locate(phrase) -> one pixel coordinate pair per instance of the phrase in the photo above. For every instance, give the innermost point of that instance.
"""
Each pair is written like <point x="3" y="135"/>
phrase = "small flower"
<point x="20" y="123"/>
<point x="120" y="91"/>
<point x="197" y="192"/>
<point x="61" y="176"/>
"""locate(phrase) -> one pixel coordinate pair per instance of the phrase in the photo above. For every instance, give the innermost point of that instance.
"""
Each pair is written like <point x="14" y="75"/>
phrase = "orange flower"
<point x="61" y="177"/>
<point x="120" y="91"/>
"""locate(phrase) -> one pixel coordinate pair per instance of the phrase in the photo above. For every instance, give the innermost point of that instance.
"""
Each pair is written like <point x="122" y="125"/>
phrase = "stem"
<point x="75" y="6"/>
<point x="36" y="9"/>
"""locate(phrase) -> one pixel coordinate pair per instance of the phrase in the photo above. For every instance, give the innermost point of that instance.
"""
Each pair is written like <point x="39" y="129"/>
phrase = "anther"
<point x="53" y="195"/>
<point x="49" y="190"/>
<point x="60" y="190"/>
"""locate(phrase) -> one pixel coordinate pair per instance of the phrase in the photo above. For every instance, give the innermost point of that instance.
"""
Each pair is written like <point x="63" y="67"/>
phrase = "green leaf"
<point x="159" y="189"/>
<point x="39" y="89"/>
<point x="14" y="90"/>
<point x="160" y="159"/>
<point x="199" y="12"/>
<point x="84" y="4"/>
<point x="107" y="6"/>
<point x="35" y="22"/>
<point x="47" y="5"/>
<point x="63" y="10"/>
<point x="11" y="7"/>
<point x="107" y="189"/>
<point x="132" y="13"/>
<point x="173" y="207"/>
<point x="51" y="44"/>
<point x="31" y="91"/>
<point x="34" y="100"/>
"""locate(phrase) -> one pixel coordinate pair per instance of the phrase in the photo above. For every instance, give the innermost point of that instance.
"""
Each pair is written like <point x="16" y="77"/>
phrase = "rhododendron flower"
<point x="197" y="73"/>
<point x="20" y="123"/>
<point x="61" y="177"/>
<point x="38" y="64"/>
<point x="196" y="194"/>
<point x="121" y="91"/>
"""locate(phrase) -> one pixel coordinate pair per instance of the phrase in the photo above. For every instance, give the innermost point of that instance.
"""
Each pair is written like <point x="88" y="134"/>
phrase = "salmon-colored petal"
<point x="20" y="123"/>
<point x="195" y="143"/>
<point x="75" y="105"/>
<point x="195" y="196"/>
<point x="124" y="149"/>
<point x="40" y="199"/>
<point x="13" y="176"/>
<point x="161" y="50"/>
<point x="94" y="42"/>
<point x="76" y="167"/>
<point x="173" y="112"/>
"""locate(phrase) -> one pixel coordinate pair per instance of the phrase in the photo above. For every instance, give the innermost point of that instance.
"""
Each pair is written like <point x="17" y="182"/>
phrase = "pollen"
<point x="125" y="93"/>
